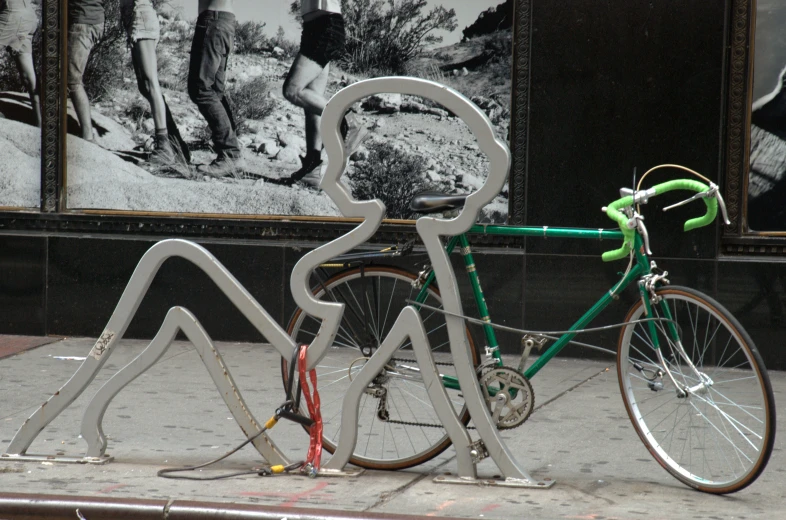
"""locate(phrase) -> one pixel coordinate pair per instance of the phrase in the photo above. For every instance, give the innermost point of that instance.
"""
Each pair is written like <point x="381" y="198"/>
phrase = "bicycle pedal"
<point x="528" y="342"/>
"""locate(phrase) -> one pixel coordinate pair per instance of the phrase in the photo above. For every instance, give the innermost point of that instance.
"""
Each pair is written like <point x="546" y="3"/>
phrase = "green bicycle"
<point x="693" y="383"/>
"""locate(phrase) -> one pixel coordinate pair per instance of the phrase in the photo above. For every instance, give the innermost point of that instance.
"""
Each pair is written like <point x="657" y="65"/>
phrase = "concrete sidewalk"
<point x="172" y="415"/>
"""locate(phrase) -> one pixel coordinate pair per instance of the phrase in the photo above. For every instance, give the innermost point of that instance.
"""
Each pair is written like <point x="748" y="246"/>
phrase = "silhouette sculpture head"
<point x="373" y="211"/>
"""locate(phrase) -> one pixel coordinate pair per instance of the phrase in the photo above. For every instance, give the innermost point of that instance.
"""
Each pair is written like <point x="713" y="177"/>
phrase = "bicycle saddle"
<point x="435" y="202"/>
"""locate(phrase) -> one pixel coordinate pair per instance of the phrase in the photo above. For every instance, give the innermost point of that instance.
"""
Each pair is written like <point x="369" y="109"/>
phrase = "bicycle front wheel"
<point x="709" y="419"/>
<point x="397" y="424"/>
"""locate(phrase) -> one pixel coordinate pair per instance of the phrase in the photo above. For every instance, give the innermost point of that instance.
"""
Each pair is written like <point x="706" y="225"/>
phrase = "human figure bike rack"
<point x="408" y="325"/>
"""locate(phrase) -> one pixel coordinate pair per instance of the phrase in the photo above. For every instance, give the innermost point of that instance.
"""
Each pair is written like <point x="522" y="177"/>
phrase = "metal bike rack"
<point x="408" y="326"/>
<point x="177" y="319"/>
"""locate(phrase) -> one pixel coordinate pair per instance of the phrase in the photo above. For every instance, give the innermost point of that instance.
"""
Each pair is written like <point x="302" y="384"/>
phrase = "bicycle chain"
<point x="421" y="425"/>
<point x="418" y="424"/>
<point x="430" y="425"/>
<point x="443" y="363"/>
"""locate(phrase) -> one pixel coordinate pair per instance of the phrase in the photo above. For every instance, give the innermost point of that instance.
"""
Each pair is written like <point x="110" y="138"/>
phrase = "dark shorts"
<point x="323" y="39"/>
<point x="140" y="21"/>
<point x="81" y="40"/>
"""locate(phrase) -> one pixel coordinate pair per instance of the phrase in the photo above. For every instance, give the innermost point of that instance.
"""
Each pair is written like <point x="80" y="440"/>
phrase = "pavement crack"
<point x="572" y="388"/>
<point x="386" y="497"/>
<point x="590" y="494"/>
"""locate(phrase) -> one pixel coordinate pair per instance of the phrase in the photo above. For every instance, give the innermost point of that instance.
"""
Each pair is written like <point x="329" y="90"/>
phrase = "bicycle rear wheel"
<point x="411" y="433"/>
<point x="719" y="435"/>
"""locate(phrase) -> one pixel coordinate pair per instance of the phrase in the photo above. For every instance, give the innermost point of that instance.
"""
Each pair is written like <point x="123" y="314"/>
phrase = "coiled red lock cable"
<point x="315" y="446"/>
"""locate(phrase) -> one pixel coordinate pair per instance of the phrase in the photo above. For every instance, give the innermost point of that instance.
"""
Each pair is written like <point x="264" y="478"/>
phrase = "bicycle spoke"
<point x="372" y="304"/>
<point x="732" y="403"/>
<point x="718" y="436"/>
<point x="737" y="450"/>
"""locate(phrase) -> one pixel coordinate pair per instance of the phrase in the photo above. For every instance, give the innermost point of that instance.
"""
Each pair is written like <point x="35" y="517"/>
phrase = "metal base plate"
<point x="60" y="459"/>
<point x="352" y="472"/>
<point x="508" y="482"/>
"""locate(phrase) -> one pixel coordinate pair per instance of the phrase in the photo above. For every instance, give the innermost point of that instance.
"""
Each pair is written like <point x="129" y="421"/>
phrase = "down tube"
<point x="583" y="321"/>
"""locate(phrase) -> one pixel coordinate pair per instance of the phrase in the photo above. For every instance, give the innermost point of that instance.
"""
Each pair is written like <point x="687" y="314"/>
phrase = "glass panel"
<point x="767" y="175"/>
<point x="217" y="112"/>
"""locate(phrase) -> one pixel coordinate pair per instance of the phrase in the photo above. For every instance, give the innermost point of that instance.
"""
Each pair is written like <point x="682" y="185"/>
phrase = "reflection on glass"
<point x="767" y="174"/>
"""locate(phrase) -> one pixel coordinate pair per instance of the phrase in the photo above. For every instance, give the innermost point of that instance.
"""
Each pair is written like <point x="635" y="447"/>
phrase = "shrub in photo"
<point x="289" y="47"/>
<point x="250" y="38"/>
<point x="391" y="175"/>
<point x="250" y="100"/>
<point x="9" y="75"/>
<point x="108" y="59"/>
<point x="172" y="70"/>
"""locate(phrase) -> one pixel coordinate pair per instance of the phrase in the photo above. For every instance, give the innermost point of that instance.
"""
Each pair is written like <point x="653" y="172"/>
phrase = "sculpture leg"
<point x="177" y="319"/>
<point x="408" y="326"/>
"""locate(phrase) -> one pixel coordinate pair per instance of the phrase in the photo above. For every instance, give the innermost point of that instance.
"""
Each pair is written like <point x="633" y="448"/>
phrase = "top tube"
<point x="546" y="232"/>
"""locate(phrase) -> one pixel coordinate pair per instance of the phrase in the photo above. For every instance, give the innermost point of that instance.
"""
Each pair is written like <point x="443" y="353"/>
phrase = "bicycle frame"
<point x="641" y="267"/>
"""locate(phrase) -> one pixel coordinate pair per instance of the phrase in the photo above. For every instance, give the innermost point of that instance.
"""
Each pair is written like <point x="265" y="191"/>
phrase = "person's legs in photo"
<point x="81" y="40"/>
<point x="322" y="42"/>
<point x="140" y="20"/>
<point x="143" y="54"/>
<point x="26" y="68"/>
<point x="305" y="87"/>
<point x="22" y="51"/>
<point x="210" y="50"/>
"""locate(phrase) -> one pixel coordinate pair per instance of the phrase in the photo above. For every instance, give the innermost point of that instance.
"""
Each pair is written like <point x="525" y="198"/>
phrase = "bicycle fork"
<point x="647" y="287"/>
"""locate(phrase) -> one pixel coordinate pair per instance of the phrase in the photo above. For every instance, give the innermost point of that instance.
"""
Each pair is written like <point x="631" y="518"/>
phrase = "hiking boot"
<point x="223" y="167"/>
<point x="311" y="161"/>
<point x="312" y="179"/>
<point x="163" y="155"/>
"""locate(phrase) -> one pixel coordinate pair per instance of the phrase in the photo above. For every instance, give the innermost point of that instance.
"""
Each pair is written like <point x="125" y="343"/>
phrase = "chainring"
<point x="513" y="398"/>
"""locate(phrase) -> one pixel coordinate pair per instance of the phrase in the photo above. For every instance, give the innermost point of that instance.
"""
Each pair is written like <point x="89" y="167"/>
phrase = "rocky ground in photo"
<point x="20" y="168"/>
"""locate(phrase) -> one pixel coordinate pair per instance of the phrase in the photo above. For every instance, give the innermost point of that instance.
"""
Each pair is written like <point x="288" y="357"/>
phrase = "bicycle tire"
<point x="393" y="286"/>
<point x="719" y="437"/>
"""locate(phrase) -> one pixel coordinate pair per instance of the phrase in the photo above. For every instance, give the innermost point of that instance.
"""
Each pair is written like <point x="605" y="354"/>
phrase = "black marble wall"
<point x="87" y="276"/>
<point x="23" y="263"/>
<point x="69" y="286"/>
<point x="619" y="85"/>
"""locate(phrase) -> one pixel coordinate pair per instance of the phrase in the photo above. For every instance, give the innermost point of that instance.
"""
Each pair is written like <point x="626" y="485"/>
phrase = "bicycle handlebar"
<point x="628" y="225"/>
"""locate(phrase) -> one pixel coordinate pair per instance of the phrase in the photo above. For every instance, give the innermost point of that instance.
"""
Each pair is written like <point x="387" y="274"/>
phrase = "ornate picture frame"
<point x="55" y="216"/>
<point x="52" y="96"/>
<point x="522" y="27"/>
<point x="738" y="237"/>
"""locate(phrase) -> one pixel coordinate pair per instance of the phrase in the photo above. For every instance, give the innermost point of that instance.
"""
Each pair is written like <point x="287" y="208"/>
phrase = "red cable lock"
<point x="314" y="456"/>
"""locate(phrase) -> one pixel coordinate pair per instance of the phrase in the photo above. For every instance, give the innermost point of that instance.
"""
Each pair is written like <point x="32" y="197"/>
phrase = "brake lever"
<point x="722" y="205"/>
<point x="712" y="192"/>
<point x="700" y="195"/>
<point x="637" y="221"/>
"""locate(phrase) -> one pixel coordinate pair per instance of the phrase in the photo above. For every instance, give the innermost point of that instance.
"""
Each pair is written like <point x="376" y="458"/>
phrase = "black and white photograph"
<point x="20" y="104"/>
<point x="767" y="174"/>
<point x="212" y="107"/>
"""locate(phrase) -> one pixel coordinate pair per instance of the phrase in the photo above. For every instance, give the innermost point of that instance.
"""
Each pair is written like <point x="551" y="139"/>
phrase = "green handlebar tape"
<point x="614" y="213"/>
<point x="690" y="184"/>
